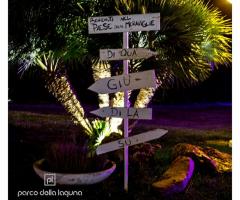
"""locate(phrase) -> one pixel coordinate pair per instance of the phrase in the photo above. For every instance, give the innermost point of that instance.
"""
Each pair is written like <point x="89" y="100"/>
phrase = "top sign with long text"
<point x="124" y="23"/>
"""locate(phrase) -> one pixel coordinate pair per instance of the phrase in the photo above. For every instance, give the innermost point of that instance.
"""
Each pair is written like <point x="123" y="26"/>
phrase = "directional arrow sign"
<point x="131" y="113"/>
<point x="125" y="54"/>
<point x="124" y="23"/>
<point x="136" y="139"/>
<point x="124" y="82"/>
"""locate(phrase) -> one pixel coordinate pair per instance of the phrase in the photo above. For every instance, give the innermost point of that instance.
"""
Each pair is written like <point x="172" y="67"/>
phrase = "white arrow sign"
<point x="125" y="82"/>
<point x="131" y="113"/>
<point x="124" y="23"/>
<point x="136" y="139"/>
<point x="125" y="54"/>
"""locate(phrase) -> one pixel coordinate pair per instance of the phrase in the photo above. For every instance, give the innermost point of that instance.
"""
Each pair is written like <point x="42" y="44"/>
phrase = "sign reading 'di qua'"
<point x="124" y="23"/>
<point x="126" y="54"/>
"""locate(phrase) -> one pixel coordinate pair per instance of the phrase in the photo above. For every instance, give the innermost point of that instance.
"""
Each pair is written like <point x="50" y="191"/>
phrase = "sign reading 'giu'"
<point x="124" y="82"/>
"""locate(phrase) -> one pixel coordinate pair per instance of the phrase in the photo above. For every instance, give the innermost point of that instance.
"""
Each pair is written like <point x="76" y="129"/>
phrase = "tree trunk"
<point x="145" y="95"/>
<point x="60" y="88"/>
<point x="101" y="70"/>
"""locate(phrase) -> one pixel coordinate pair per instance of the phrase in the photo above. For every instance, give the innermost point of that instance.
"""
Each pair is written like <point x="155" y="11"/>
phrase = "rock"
<point x="208" y="157"/>
<point x="177" y="176"/>
<point x="222" y="160"/>
<point x="196" y="153"/>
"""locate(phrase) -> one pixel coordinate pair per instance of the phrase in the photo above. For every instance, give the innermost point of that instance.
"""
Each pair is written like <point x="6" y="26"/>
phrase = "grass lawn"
<point x="31" y="133"/>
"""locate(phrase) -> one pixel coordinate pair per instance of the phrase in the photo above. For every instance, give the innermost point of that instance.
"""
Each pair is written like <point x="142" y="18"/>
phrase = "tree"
<point x="192" y="35"/>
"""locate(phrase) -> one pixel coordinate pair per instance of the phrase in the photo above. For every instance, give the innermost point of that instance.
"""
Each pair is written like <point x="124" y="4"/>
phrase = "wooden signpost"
<point x="125" y="54"/>
<point x="130" y="113"/>
<point x="124" y="23"/>
<point x="136" y="139"/>
<point x="125" y="82"/>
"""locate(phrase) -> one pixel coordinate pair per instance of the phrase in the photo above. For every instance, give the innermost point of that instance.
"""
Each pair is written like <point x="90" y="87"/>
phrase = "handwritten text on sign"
<point x="131" y="113"/>
<point x="125" y="54"/>
<point x="124" y="82"/>
<point x="124" y="23"/>
<point x="136" y="139"/>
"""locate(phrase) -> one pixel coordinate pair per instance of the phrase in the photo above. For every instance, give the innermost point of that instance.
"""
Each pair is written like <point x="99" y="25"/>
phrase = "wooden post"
<point x="122" y="24"/>
<point x="125" y="71"/>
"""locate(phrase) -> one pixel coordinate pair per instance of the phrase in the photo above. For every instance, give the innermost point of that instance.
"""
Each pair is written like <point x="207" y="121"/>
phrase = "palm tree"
<point x="35" y="55"/>
<point x="192" y="35"/>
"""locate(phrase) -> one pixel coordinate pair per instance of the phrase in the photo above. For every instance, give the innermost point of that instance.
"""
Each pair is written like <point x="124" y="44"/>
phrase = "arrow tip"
<point x="95" y="112"/>
<point x="153" y="53"/>
<point x="91" y="87"/>
<point x="98" y="87"/>
<point x="94" y="87"/>
<point x="162" y="131"/>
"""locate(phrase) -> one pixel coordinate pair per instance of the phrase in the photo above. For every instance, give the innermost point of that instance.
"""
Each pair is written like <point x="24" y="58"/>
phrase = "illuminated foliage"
<point x="192" y="35"/>
<point x="57" y="84"/>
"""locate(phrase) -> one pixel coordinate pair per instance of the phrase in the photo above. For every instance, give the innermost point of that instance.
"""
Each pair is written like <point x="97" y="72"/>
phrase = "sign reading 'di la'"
<point x="123" y="82"/>
<point x="119" y="112"/>
<point x="124" y="23"/>
<point x="136" y="139"/>
<point x="125" y="54"/>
